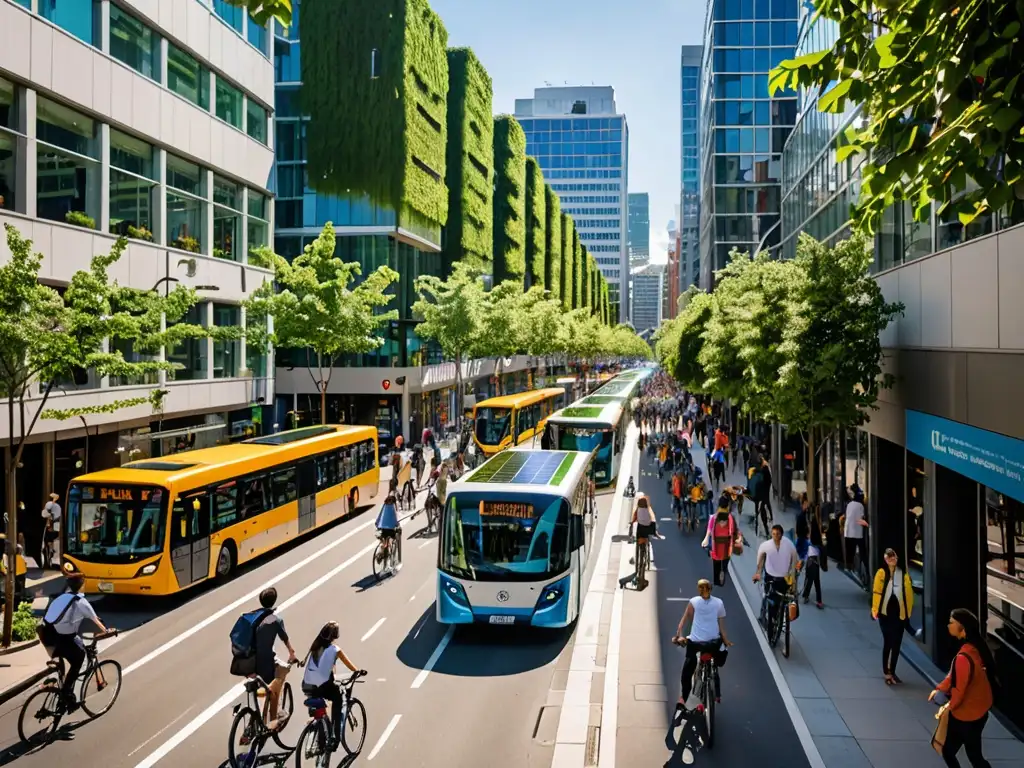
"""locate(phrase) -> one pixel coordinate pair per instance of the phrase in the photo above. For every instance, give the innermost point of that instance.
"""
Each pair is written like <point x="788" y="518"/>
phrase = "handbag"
<point x="941" y="728"/>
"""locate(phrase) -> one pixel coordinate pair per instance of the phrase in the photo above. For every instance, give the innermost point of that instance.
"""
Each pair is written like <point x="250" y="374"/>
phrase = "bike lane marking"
<point x="384" y="737"/>
<point x="421" y="678"/>
<point x="373" y="629"/>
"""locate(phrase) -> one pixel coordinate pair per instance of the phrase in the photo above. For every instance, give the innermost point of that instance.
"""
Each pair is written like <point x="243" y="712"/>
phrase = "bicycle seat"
<point x="706" y="657"/>
<point x="315" y="703"/>
<point x="253" y="684"/>
<point x="53" y="664"/>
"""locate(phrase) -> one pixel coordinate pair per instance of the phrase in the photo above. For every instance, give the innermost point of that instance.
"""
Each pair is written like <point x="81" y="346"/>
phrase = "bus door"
<point x="307" y="495"/>
<point x="190" y="538"/>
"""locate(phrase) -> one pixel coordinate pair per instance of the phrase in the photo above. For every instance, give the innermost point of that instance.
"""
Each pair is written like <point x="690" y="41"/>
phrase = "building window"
<point x="229" y="103"/>
<point x="127" y="349"/>
<point x="255" y="354"/>
<point x="187" y="77"/>
<point x="132" y="185"/>
<point x="67" y="165"/>
<point x="233" y="15"/>
<point x="134" y="44"/>
<point x="227" y="219"/>
<point x="8" y="145"/>
<point x="226" y="351"/>
<point x="257" y="223"/>
<point x="256" y="35"/>
<point x="189" y="357"/>
<point x="256" y="118"/>
<point x="79" y="17"/>
<point x="186" y="205"/>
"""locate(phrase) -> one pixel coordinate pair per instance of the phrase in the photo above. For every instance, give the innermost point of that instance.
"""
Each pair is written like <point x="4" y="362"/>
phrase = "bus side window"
<point x="254" y="497"/>
<point x="225" y="505"/>
<point x="284" y="485"/>
<point x="326" y="471"/>
<point x="367" y="456"/>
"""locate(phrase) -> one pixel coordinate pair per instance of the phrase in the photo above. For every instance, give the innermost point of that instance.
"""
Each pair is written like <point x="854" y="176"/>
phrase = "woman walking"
<point x="892" y="601"/>
<point x="815" y="555"/>
<point x="721" y="538"/>
<point x="969" y="687"/>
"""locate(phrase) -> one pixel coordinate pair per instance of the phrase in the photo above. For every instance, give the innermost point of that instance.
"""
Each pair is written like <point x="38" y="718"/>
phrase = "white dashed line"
<point x="384" y="736"/>
<point x="373" y="629"/>
<point x="422" y="676"/>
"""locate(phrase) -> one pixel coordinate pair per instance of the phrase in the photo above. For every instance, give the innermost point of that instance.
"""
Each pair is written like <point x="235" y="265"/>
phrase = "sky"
<point x="632" y="47"/>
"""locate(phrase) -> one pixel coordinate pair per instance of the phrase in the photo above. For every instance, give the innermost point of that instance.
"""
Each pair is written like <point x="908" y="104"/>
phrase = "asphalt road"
<point x="432" y="697"/>
<point x="752" y="723"/>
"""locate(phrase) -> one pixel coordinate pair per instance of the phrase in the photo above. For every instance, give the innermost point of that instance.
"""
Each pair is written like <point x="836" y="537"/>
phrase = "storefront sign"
<point x="994" y="460"/>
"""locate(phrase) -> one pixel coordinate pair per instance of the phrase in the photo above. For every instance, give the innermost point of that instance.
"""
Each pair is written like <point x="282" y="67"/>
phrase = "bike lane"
<point x="752" y="721"/>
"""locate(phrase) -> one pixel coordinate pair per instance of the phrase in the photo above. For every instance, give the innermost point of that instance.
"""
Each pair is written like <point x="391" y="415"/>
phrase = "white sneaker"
<point x="687" y="756"/>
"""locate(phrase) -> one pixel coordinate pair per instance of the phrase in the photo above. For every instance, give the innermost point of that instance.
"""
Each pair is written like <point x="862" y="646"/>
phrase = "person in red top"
<point x="721" y="538"/>
<point x="969" y="688"/>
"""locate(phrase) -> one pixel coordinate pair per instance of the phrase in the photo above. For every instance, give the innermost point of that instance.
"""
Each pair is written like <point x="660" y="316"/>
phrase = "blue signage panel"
<point x="994" y="460"/>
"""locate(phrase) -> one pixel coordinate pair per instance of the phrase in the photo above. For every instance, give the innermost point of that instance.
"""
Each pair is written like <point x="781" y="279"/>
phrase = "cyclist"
<point x="706" y="617"/>
<point x="61" y="625"/>
<point x="269" y="667"/>
<point x="644" y="519"/>
<point x="678" y="486"/>
<point x="318" y="680"/>
<point x="388" y="527"/>
<point x="780" y="561"/>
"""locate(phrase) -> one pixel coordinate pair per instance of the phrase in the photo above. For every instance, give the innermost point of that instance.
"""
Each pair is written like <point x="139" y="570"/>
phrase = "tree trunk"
<point x="11" y="544"/>
<point x="458" y="394"/>
<point x="812" y="467"/>
<point x="497" y="374"/>
<point x="323" y="402"/>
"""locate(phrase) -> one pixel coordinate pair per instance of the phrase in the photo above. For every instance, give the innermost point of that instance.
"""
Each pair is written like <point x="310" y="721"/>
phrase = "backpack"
<point x="243" y="642"/>
<point x="47" y="632"/>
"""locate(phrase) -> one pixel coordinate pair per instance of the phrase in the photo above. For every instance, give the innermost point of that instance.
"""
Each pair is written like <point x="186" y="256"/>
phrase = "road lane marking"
<point x="677" y="599"/>
<point x="422" y="676"/>
<point x="425" y="544"/>
<point x="384" y="736"/>
<point x="236" y="690"/>
<point x="373" y="629"/>
<point x="147" y="741"/>
<point x="413" y="597"/>
<point x="247" y="598"/>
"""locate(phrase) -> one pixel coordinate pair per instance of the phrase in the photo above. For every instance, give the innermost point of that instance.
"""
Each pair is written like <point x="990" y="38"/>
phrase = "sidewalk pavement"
<point x="834" y="673"/>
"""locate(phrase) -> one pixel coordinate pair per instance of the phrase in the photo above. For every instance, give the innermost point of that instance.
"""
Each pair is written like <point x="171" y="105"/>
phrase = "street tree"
<point x="46" y="338"/>
<point x="940" y="90"/>
<point x="500" y="333"/>
<point x="832" y="375"/>
<point x="451" y="312"/>
<point x="542" y="317"/>
<point x="263" y="11"/>
<point x="313" y="306"/>
<point x="583" y="338"/>
<point x="679" y="341"/>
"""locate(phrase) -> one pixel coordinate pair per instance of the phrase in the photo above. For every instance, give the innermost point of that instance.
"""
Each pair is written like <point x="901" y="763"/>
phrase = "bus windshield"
<point x="492" y="425"/>
<point x="489" y="537"/>
<point x="113" y="523"/>
<point x="587" y="439"/>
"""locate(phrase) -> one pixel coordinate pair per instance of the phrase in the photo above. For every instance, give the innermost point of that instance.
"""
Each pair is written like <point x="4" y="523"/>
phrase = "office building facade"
<point x="152" y="121"/>
<point x="742" y="130"/>
<point x="942" y="458"/>
<point x="689" y="189"/>
<point x="582" y="145"/>
<point x="647" y="283"/>
<point x="639" y="231"/>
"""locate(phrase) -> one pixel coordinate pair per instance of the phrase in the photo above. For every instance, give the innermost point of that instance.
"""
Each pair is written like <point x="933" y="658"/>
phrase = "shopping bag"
<point x="941" y="726"/>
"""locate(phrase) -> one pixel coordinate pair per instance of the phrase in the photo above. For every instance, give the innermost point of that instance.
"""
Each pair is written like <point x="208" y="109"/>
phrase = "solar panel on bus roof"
<point x="600" y="400"/>
<point x="521" y="468"/>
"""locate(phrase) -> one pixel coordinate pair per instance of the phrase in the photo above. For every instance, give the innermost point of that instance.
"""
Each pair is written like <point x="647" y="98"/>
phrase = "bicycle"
<point x="46" y="706"/>
<point x="641" y="559"/>
<point x="316" y="742"/>
<point x="777" y="625"/>
<point x="387" y="559"/>
<point x="432" y="506"/>
<point x="249" y="728"/>
<point x="707" y="687"/>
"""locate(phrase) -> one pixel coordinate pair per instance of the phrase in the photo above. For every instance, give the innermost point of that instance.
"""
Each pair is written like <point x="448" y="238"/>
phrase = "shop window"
<point x="134" y="44"/>
<point x="229" y="103"/>
<point x="132" y="186"/>
<point x="186" y="205"/>
<point x="227" y="219"/>
<point x="67" y="165"/>
<point x="187" y="77"/>
<point x="189" y="356"/>
<point x="917" y="502"/>
<point x="226" y="351"/>
<point x="8" y="145"/>
<point x="1004" y="520"/>
<point x="79" y="17"/>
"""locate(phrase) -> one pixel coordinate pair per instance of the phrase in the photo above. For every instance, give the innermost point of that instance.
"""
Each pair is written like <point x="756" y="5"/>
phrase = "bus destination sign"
<point x="121" y="494"/>
<point x="506" y="509"/>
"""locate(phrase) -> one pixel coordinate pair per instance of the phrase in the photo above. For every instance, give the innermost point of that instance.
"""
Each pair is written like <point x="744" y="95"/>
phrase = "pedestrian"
<point x="969" y="686"/>
<point x="853" y="530"/>
<point x="721" y="538"/>
<point x="815" y="557"/>
<point x="50" y="552"/>
<point x="763" y="496"/>
<point x="892" y="601"/>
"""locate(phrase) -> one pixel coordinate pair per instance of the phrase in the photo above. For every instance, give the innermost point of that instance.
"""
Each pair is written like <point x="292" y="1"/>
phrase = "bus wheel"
<point x="226" y="560"/>
<point x="353" y="500"/>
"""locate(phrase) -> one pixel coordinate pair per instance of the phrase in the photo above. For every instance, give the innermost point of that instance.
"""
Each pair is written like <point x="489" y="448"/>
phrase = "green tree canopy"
<point x="501" y="330"/>
<point x="315" y="308"/>
<point x="940" y="89"/>
<point x="542" y="320"/>
<point x="263" y="11"/>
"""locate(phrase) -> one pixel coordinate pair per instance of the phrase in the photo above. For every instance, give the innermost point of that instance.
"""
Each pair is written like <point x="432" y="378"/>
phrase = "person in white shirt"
<point x="52" y="514"/>
<point x="706" y="616"/>
<point x="61" y="625"/>
<point x="779" y="560"/>
<point x="318" y="679"/>
<point x="853" y="531"/>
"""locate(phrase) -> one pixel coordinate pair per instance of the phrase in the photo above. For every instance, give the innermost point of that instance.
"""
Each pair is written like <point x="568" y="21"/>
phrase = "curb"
<point x="21" y="686"/>
<point x="23" y="646"/>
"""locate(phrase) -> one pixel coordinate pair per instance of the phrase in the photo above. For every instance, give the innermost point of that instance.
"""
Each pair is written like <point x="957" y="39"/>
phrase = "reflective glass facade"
<point x="639" y="227"/>
<point x="689" y="190"/>
<point x="742" y="130"/>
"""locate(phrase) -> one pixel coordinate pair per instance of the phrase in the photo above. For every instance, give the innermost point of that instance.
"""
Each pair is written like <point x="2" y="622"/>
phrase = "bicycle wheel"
<point x="98" y="697"/>
<point x="353" y="733"/>
<point x="708" y="697"/>
<point x="378" y="563"/>
<point x="776" y="625"/>
<point x="313" y="748"/>
<point x="785" y="629"/>
<point x="244" y="738"/>
<point x="285" y="710"/>
<point x="39" y="716"/>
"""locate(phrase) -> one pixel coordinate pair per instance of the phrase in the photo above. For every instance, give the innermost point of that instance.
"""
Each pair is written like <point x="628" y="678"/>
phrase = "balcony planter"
<point x="186" y="243"/>
<point x="140" y="233"/>
<point x="80" y="219"/>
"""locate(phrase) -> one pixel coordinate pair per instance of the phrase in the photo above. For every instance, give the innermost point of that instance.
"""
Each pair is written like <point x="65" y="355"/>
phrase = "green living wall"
<point x="375" y="85"/>
<point x="588" y="277"/>
<point x="568" y="232"/>
<point x="509" y="200"/>
<point x="552" y="242"/>
<point x="536" y="224"/>
<point x="579" y="255"/>
<point x="470" y="159"/>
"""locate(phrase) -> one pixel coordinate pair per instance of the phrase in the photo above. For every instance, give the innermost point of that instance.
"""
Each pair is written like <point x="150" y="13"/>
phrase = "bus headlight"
<point x="69" y="567"/>
<point x="455" y="592"/>
<point x="148" y="570"/>
<point x="551" y="594"/>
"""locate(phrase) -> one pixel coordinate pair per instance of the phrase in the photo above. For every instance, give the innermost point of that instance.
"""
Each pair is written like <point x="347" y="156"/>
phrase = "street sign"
<point x="386" y="384"/>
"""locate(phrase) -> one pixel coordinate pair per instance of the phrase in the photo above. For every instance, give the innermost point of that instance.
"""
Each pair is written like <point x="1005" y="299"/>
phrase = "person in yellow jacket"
<point x="892" y="601"/>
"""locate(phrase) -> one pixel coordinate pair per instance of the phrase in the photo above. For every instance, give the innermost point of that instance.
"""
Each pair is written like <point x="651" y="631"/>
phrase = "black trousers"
<point x="330" y="691"/>
<point x="690" y="665"/>
<point x="812" y="577"/>
<point x="966" y="734"/>
<point x="719" y="570"/>
<point x="892" y="635"/>
<point x="66" y="648"/>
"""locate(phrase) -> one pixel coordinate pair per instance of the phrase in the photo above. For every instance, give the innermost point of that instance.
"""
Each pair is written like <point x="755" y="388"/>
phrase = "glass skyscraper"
<point x="689" y="191"/>
<point x="582" y="146"/>
<point x="639" y="229"/>
<point x="742" y="130"/>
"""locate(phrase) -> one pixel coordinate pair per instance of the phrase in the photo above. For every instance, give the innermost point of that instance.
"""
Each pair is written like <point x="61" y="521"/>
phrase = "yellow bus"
<point x="513" y="419"/>
<point x="157" y="526"/>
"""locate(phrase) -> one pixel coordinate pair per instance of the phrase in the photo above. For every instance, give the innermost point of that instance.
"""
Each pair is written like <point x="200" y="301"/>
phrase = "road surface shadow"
<point x="471" y="651"/>
<point x="66" y="732"/>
